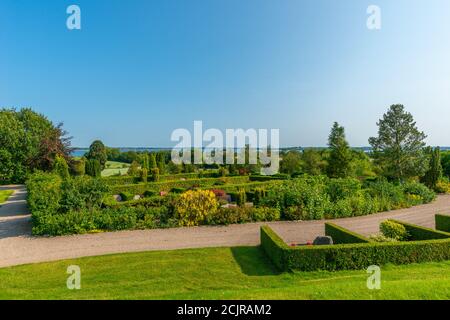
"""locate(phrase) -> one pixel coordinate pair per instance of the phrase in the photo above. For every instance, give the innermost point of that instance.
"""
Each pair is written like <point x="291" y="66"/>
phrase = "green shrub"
<point x="44" y="193"/>
<point x="418" y="189"/>
<point x="341" y="235"/>
<point x="241" y="198"/>
<point x="93" y="168"/>
<point x="442" y="222"/>
<point x="394" y="230"/>
<point x="78" y="167"/>
<point x="82" y="193"/>
<point x="340" y="189"/>
<point x="144" y="174"/>
<point x="61" y="167"/>
<point x="155" y="174"/>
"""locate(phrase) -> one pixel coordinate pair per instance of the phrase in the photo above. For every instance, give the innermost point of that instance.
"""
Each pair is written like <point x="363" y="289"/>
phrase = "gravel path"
<point x="17" y="246"/>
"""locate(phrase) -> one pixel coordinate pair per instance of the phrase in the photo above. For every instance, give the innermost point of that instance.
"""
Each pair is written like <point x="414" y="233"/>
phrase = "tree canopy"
<point x="399" y="147"/>
<point x="28" y="142"/>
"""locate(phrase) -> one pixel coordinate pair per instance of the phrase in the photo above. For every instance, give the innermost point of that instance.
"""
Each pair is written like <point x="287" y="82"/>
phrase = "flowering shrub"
<point x="193" y="207"/>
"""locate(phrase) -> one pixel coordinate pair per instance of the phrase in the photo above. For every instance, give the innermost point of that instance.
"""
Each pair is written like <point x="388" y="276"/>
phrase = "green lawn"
<point x="5" y="194"/>
<point x="113" y="168"/>
<point x="216" y="273"/>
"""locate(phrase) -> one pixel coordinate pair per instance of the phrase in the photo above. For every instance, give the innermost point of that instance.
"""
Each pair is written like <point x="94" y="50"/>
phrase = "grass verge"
<point x="215" y="273"/>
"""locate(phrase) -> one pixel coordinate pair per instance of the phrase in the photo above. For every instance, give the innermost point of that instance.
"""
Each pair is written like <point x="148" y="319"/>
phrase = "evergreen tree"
<point x="61" y="168"/>
<point x="97" y="151"/>
<point x="399" y="147"/>
<point x="339" y="162"/>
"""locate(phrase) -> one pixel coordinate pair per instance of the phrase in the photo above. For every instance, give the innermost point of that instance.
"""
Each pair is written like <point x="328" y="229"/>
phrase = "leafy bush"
<point x="418" y="189"/>
<point x="394" y="230"/>
<point x="78" y="167"/>
<point x="61" y="167"/>
<point x="44" y="192"/>
<point x="82" y="193"/>
<point x="241" y="198"/>
<point x="193" y="207"/>
<point x="339" y="189"/>
<point x="93" y="168"/>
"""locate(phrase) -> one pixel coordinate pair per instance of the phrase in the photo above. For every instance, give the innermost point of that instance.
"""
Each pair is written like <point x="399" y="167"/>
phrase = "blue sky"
<point x="138" y="69"/>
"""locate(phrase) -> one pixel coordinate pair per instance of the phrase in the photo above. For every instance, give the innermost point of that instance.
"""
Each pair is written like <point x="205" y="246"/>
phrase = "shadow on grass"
<point x="254" y="262"/>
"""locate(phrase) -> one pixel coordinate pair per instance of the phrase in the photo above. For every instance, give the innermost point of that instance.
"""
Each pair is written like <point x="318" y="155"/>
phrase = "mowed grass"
<point x="113" y="168"/>
<point x="215" y="273"/>
<point x="4" y="195"/>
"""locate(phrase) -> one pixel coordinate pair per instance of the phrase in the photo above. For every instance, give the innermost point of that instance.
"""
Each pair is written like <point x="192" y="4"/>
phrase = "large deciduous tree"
<point x="339" y="161"/>
<point x="399" y="147"/>
<point x="28" y="142"/>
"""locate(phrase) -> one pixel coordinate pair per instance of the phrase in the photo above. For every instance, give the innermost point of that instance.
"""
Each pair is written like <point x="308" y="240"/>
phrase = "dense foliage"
<point x="28" y="142"/>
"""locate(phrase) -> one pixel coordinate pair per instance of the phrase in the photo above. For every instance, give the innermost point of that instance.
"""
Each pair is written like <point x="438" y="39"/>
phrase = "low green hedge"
<point x="442" y="222"/>
<point x="140" y="188"/>
<point x="416" y="232"/>
<point x="124" y="180"/>
<point x="350" y="256"/>
<point x="341" y="235"/>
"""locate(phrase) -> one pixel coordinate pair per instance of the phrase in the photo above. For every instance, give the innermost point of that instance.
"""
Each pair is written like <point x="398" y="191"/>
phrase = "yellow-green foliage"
<point x="193" y="207"/>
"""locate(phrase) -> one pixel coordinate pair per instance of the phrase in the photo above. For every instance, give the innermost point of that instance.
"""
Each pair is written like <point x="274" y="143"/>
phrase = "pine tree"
<point x="339" y="162"/>
<point x="399" y="147"/>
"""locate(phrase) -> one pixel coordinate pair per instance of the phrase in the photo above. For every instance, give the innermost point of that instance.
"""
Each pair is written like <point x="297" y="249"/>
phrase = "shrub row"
<point x="169" y="185"/>
<point x="350" y="256"/>
<point x="341" y="235"/>
<point x="442" y="222"/>
<point x="123" y="180"/>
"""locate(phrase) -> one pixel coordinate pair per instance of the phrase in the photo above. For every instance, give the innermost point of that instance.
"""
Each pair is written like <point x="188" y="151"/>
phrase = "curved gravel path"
<point x="17" y="246"/>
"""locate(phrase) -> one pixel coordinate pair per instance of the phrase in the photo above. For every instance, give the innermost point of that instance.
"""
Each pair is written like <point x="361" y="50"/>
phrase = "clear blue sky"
<point x="139" y="69"/>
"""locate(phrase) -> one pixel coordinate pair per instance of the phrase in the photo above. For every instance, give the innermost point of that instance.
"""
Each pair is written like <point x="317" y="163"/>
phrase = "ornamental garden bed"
<point x="353" y="251"/>
<point x="74" y="205"/>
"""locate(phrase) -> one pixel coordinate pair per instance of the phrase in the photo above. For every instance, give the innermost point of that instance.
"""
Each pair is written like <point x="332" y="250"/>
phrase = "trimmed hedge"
<point x="421" y="233"/>
<point x="122" y="180"/>
<point x="140" y="188"/>
<point x="341" y="235"/>
<point x="442" y="222"/>
<point x="350" y="256"/>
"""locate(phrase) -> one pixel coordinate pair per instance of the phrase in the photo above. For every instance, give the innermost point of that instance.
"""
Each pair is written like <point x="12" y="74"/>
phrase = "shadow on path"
<point x="14" y="214"/>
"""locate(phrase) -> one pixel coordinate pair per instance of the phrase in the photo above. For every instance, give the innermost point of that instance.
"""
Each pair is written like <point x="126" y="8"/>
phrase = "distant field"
<point x="215" y="273"/>
<point x="113" y="168"/>
<point x="5" y="194"/>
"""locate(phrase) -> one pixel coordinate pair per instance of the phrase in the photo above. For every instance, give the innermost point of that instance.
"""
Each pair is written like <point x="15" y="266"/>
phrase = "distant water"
<point x="79" y="152"/>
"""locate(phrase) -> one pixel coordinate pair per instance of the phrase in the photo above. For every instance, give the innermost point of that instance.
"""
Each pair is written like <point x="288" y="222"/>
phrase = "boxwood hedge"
<point x="350" y="256"/>
<point x="341" y="235"/>
<point x="421" y="233"/>
<point x="442" y="222"/>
